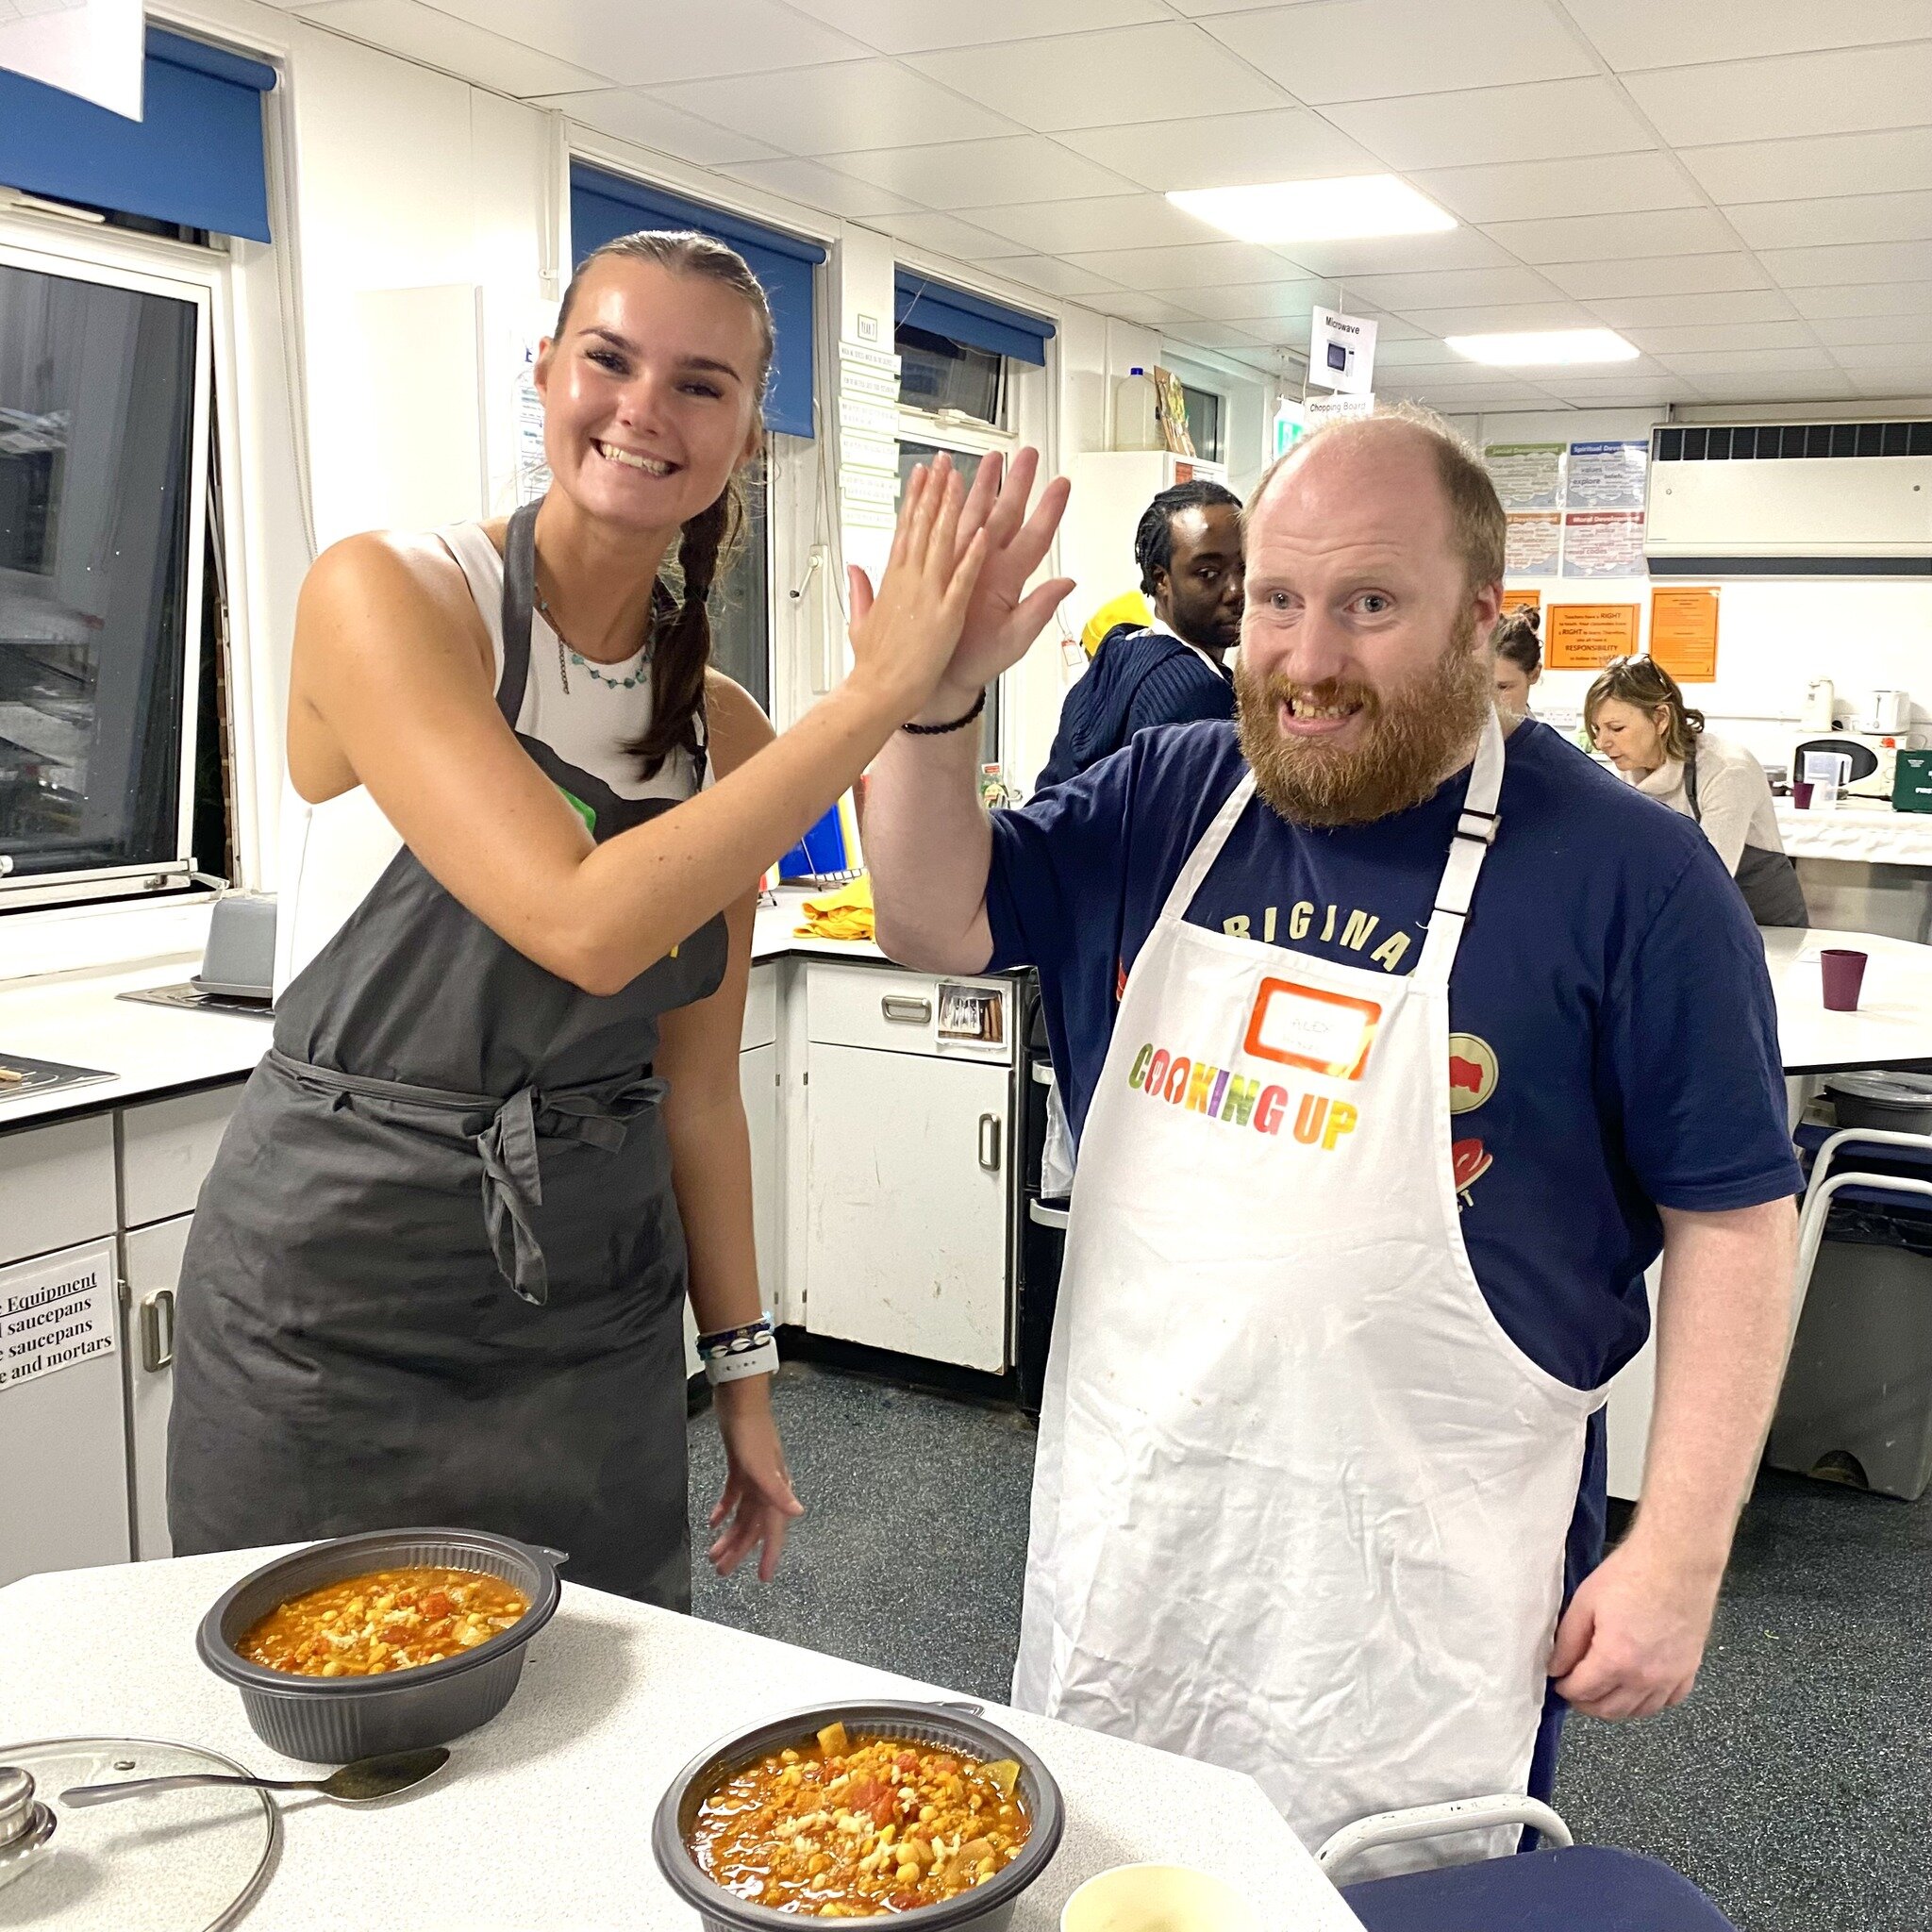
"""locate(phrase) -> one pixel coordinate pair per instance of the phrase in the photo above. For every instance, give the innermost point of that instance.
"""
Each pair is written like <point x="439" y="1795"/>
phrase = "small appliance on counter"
<point x="238" y="966"/>
<point x="1868" y="761"/>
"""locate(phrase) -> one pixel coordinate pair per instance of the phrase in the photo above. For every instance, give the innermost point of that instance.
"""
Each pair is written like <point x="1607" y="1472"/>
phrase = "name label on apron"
<point x="1308" y="1026"/>
<point x="55" y="1314"/>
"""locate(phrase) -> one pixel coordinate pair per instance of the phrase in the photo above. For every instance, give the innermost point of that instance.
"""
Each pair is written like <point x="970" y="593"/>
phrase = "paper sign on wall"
<point x="1534" y="543"/>
<point x="1585" y="636"/>
<point x="1522" y="600"/>
<point x="1320" y="410"/>
<point x="1341" y="352"/>
<point x="55" y="1314"/>
<point x="1682" y="633"/>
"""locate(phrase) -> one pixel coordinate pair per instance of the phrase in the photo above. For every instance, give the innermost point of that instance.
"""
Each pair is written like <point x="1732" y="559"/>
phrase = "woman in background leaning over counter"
<point x="1637" y="717"/>
<point x="438" y="1273"/>
<point x="1519" y="661"/>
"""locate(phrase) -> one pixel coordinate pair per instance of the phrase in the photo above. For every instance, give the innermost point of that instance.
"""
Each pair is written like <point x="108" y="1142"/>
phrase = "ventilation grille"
<point x="1773" y="442"/>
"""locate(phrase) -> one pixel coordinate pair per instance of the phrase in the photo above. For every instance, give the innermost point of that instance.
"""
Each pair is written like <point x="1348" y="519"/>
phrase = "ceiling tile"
<point x="984" y="173"/>
<point x="1254" y="302"/>
<point x="1657" y="275"/>
<point x="453" y="46"/>
<point x="1666" y="33"/>
<point x="1400" y="254"/>
<point x="1613" y="392"/>
<point x="1452" y="289"/>
<point x="1775" y="389"/>
<point x="1885" y="356"/>
<point x="823" y="111"/>
<point x="943" y="235"/>
<point x="911" y="27"/>
<point x="1423" y="352"/>
<point x="1130" y="75"/>
<point x="1821" y="164"/>
<point x="1070" y="227"/>
<point x="1699" y="363"/>
<point x="1470" y="401"/>
<point x="1209" y="264"/>
<point x="1539" y="190"/>
<point x="1861" y="299"/>
<point x="1352" y="50"/>
<point x="818" y="186"/>
<point x="640" y="42"/>
<point x="1490" y="317"/>
<point x="1217" y="335"/>
<point x="1672" y="311"/>
<point x="1599" y="238"/>
<point x="1839" y="330"/>
<point x="1835" y="219"/>
<point x="1801" y="94"/>
<point x="1547" y="120"/>
<point x="1874" y="387"/>
<point x="1226" y="150"/>
<point x="1865" y="261"/>
<point x="1056" y="277"/>
<point x="1686" y="337"/>
<point x="632" y="116"/>
<point x="1148" y="311"/>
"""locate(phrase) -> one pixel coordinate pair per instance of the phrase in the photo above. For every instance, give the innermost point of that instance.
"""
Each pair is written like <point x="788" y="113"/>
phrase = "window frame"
<point x="1222" y="406"/>
<point x="179" y="272"/>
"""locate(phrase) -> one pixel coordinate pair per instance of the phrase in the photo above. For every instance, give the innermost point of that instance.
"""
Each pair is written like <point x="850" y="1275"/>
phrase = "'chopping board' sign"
<point x="56" y="1312"/>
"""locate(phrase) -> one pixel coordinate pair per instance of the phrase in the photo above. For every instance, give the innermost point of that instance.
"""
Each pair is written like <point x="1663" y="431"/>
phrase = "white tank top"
<point x="332" y="854"/>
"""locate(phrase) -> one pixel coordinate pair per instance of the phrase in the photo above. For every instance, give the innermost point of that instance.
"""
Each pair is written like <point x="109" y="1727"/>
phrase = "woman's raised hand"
<point x="904" y="634"/>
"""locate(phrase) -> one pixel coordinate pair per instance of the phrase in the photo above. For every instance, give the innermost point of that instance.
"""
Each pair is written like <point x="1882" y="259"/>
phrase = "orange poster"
<point x="1585" y="636"/>
<point x="1682" y="633"/>
<point x="1522" y="600"/>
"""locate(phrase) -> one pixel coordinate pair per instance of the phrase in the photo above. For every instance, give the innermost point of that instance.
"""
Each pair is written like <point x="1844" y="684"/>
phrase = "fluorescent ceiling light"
<point x="1539" y="347"/>
<point x="1335" y="210"/>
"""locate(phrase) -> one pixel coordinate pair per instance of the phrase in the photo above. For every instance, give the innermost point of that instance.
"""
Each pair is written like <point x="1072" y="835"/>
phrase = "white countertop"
<point x="543" y="1817"/>
<point x="1893" y="1024"/>
<point x="1865" y="829"/>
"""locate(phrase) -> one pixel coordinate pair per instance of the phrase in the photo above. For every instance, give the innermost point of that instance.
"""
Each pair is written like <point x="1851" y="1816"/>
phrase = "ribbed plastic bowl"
<point x="333" y="1720"/>
<point x="986" y="1907"/>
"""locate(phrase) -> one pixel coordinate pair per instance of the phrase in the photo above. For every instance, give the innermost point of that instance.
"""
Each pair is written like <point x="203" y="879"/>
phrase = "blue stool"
<point x="1570" y="1887"/>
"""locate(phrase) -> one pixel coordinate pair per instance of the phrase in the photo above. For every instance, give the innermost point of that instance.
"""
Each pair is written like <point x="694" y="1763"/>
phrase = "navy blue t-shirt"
<point x="1622" y="1050"/>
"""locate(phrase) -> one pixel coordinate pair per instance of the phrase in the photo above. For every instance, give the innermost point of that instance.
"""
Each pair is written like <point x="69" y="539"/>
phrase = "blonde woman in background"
<point x="1637" y="719"/>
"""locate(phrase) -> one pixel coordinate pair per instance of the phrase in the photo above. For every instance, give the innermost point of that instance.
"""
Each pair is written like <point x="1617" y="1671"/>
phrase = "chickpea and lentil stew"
<point x="388" y="1620"/>
<point x="851" y="1827"/>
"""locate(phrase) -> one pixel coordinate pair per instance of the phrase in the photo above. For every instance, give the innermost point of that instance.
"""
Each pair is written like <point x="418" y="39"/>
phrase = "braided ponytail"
<point x="682" y="651"/>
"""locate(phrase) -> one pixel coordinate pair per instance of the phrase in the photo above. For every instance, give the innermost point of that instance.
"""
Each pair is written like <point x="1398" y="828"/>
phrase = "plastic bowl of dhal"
<point x="333" y="1720"/>
<point x="984" y="1907"/>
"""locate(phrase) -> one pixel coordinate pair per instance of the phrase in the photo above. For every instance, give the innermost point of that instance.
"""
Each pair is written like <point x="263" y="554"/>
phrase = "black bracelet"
<point x="957" y="724"/>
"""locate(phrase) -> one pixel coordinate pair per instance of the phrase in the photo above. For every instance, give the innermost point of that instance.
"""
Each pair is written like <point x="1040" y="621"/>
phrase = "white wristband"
<point x="752" y="1349"/>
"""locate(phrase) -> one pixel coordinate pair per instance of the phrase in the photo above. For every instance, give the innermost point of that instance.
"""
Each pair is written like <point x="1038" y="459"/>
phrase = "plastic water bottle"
<point x="1136" y="413"/>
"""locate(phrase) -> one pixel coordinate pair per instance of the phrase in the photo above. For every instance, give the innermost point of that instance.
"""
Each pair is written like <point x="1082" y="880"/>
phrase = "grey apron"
<point x="1769" y="880"/>
<point x="437" y="1273"/>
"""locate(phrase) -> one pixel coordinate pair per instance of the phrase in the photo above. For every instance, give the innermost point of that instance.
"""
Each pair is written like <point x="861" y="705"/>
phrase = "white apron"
<point x="1300" y="1504"/>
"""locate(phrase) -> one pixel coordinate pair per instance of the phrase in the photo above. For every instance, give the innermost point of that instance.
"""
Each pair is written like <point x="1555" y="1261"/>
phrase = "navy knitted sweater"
<point x="1138" y="678"/>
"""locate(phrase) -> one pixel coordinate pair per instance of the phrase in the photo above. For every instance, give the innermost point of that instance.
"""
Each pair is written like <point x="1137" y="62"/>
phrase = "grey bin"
<point x="1857" y="1405"/>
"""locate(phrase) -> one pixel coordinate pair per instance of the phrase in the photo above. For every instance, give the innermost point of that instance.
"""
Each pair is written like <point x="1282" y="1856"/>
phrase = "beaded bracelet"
<point x="957" y="724"/>
<point x="731" y="1355"/>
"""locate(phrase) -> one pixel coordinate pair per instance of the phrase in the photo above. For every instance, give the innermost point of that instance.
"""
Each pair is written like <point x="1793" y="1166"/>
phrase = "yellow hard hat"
<point x="1130" y="607"/>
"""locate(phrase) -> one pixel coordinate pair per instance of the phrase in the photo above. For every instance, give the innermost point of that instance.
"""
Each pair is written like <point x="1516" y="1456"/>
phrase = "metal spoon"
<point x="359" y="1783"/>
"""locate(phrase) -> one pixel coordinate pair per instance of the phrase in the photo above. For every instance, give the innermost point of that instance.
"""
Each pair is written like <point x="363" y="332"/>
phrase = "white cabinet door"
<point x="152" y="1269"/>
<point x="63" y="1442"/>
<point x="906" y="1239"/>
<point x="167" y="1147"/>
<point x="57" y="1185"/>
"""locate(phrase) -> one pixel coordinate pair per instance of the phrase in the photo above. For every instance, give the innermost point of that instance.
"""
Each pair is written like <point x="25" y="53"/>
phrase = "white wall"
<point x="1775" y="635"/>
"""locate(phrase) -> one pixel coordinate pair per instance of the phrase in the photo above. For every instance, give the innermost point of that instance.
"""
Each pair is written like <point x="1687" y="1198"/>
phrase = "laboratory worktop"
<point x="1864" y="830"/>
<point x="543" y="1817"/>
<point x="80" y="1018"/>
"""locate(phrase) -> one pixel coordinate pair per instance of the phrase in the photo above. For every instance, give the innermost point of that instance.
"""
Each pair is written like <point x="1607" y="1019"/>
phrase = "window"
<point x="936" y="374"/>
<point x="741" y="601"/>
<point x="967" y="462"/>
<point x="1203" y="422"/>
<point x="103" y="473"/>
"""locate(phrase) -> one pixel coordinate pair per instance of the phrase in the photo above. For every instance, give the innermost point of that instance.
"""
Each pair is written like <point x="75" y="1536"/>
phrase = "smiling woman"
<point x="438" y="1268"/>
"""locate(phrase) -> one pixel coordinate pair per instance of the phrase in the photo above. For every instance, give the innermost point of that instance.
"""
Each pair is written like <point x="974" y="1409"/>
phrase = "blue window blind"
<point x="193" y="157"/>
<point x="603" y="207"/>
<point x="922" y="302"/>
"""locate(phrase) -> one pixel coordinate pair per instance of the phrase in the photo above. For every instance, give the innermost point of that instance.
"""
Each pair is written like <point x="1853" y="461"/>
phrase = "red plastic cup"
<point x="1843" y="972"/>
<point x="1801" y="794"/>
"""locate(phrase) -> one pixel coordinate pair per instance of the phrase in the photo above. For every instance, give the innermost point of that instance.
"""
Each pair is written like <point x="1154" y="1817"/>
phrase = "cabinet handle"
<point x="897" y="1006"/>
<point x="990" y="1143"/>
<point x="158" y="1317"/>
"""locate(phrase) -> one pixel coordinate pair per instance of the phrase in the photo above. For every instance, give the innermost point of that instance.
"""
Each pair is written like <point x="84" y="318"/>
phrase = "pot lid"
<point x="1884" y="1088"/>
<point x="170" y="1862"/>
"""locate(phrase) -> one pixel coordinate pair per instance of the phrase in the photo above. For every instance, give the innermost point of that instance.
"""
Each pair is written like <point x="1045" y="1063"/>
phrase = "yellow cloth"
<point x="1130" y="607"/>
<point x="845" y="914"/>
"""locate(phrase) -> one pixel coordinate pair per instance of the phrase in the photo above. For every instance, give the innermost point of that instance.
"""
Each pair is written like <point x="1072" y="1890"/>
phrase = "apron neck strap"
<point x="1207" y="849"/>
<point x="519" y="592"/>
<point x="1476" y="831"/>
